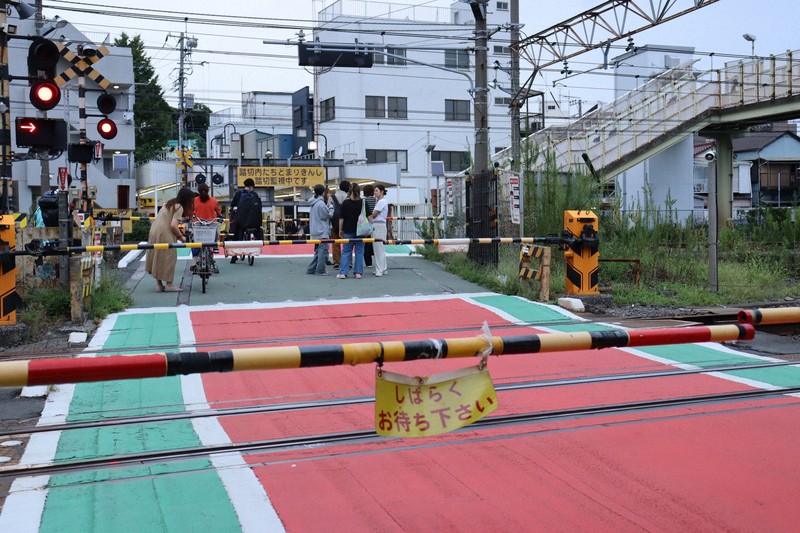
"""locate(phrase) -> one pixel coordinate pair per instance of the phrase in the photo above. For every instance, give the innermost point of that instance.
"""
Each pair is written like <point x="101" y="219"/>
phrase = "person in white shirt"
<point x="378" y="219"/>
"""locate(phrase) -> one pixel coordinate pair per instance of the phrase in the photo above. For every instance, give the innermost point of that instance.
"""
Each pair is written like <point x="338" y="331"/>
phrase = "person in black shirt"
<point x="351" y="209"/>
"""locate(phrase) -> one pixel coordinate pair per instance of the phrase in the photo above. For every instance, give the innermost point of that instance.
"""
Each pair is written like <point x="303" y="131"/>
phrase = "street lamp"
<point x="752" y="39"/>
<point x="313" y="145"/>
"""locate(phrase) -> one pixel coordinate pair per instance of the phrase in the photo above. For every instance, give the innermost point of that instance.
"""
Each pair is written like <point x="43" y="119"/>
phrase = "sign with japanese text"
<point x="450" y="207"/>
<point x="514" y="199"/>
<point x="408" y="406"/>
<point x="62" y="178"/>
<point x="282" y="176"/>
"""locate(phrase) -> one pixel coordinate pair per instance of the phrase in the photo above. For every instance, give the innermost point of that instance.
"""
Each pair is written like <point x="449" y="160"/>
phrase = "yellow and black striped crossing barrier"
<point x="89" y="369"/>
<point x="52" y="247"/>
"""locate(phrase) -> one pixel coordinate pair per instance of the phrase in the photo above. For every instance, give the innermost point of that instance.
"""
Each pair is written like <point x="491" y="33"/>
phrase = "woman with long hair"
<point x="161" y="263"/>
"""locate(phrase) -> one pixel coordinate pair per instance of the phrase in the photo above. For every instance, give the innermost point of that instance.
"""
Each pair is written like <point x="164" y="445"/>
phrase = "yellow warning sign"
<point x="282" y="176"/>
<point x="407" y="406"/>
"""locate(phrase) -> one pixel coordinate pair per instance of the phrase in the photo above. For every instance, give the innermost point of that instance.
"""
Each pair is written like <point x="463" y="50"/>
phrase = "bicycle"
<point x="250" y="234"/>
<point x="206" y="232"/>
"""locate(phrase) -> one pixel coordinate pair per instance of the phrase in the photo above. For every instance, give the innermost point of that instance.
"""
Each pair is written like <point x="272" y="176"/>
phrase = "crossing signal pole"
<point x="9" y="299"/>
<point x="186" y="44"/>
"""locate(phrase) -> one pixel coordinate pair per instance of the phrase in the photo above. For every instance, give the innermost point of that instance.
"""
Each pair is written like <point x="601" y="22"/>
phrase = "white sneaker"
<point x="379" y="274"/>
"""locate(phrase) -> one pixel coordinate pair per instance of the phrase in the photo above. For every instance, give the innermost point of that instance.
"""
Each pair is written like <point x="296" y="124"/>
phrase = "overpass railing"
<point x="663" y="109"/>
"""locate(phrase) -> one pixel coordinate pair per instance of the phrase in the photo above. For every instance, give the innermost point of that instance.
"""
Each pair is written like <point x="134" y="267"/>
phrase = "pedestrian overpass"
<point x="667" y="109"/>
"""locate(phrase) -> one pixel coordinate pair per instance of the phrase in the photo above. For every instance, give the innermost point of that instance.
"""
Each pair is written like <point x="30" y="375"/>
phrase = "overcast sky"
<point x="241" y="62"/>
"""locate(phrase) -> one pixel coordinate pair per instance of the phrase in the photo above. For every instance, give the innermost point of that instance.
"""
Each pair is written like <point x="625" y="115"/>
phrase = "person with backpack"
<point x="246" y="212"/>
<point x="336" y="201"/>
<point x="47" y="212"/>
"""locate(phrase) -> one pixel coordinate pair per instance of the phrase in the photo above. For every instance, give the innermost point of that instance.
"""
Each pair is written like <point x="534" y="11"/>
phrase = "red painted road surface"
<point x="700" y="468"/>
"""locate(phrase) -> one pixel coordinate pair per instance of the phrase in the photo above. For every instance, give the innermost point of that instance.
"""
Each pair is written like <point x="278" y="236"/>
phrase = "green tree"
<point x="153" y="115"/>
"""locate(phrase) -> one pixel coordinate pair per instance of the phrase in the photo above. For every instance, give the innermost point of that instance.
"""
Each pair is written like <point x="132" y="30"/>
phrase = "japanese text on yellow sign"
<point x="408" y="406"/>
<point x="282" y="176"/>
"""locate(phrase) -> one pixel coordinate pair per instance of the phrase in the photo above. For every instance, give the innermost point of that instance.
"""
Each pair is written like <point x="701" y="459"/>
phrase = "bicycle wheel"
<point x="203" y="266"/>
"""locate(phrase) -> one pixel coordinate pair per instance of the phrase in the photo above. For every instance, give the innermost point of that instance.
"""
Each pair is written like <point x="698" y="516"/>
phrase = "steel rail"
<point x="331" y="439"/>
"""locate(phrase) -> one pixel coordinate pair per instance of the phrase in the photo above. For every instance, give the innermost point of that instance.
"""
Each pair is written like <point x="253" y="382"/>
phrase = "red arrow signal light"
<point x="29" y="126"/>
<point x="45" y="95"/>
<point x="41" y="133"/>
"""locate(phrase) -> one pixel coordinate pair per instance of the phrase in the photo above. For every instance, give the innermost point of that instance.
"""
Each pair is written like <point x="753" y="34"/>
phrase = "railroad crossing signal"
<point x="183" y="157"/>
<point x="106" y="104"/>
<point x="42" y="57"/>
<point x="82" y="65"/>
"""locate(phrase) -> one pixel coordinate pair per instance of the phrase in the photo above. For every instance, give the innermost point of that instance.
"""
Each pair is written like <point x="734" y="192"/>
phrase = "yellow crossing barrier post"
<point x="583" y="253"/>
<point x="9" y="299"/>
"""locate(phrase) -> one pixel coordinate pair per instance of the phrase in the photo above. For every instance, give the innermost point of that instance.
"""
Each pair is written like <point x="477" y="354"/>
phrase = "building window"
<point x="327" y="110"/>
<point x="502" y="100"/>
<point x="502" y="6"/>
<point x="396" y="61"/>
<point x="453" y="161"/>
<point x="458" y="59"/>
<point x="389" y="156"/>
<point x="502" y="50"/>
<point x="456" y="110"/>
<point x="297" y="117"/>
<point x="378" y="58"/>
<point x="397" y="107"/>
<point x="375" y="107"/>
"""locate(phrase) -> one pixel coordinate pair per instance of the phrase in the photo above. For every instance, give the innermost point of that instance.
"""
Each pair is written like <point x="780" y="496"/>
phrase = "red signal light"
<point x="45" y="95"/>
<point x="107" y="128"/>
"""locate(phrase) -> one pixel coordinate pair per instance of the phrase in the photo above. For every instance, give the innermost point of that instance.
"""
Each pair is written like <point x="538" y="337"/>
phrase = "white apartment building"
<point x="415" y="104"/>
<point x="110" y="175"/>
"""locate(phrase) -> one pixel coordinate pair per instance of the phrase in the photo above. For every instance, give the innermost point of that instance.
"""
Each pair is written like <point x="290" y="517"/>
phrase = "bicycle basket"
<point x="205" y="233"/>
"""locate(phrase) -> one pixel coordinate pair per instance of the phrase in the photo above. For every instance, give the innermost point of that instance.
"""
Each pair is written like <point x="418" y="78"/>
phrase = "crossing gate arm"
<point x="92" y="369"/>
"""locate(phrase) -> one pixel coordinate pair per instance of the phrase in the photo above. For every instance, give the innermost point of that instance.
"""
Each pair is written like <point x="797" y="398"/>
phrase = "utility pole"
<point x="516" y="102"/>
<point x="181" y="111"/>
<point x="481" y="87"/>
<point x="482" y="183"/>
<point x="44" y="164"/>
<point x="186" y="44"/>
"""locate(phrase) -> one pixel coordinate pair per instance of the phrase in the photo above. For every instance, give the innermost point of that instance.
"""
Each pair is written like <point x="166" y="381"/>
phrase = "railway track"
<point x="365" y="436"/>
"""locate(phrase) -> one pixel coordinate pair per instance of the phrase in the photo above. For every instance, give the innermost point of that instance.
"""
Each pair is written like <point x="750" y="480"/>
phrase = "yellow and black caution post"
<point x="542" y="274"/>
<point x="9" y="299"/>
<point x="583" y="254"/>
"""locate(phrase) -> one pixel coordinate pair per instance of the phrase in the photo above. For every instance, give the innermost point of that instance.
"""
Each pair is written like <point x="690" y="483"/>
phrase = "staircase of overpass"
<point x="666" y="110"/>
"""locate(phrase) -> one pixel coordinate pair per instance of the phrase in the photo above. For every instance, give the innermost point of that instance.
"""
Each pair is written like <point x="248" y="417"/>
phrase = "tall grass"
<point x="758" y="260"/>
